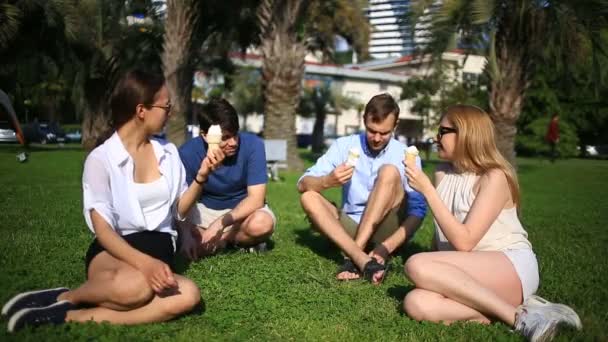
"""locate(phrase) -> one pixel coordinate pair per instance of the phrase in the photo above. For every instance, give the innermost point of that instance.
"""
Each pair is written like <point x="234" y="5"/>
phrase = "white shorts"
<point x="526" y="266"/>
<point x="202" y="216"/>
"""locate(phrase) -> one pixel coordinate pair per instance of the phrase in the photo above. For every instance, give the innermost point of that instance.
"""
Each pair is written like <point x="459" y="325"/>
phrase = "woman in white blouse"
<point x="134" y="187"/>
<point x="484" y="268"/>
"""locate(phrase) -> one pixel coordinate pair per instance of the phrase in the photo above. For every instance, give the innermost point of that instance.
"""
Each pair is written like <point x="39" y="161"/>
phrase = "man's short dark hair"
<point x="380" y="107"/>
<point x="217" y="112"/>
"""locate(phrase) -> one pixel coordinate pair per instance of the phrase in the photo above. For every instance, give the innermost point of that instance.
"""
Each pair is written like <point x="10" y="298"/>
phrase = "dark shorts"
<point x="155" y="244"/>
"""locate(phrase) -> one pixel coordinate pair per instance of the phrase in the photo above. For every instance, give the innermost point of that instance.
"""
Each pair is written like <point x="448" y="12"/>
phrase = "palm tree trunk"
<point x="282" y="72"/>
<point x="181" y="21"/>
<point x="507" y="93"/>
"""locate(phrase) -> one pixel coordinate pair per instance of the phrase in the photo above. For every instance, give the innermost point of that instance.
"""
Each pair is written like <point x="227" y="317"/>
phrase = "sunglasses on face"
<point x="167" y="108"/>
<point x="445" y="130"/>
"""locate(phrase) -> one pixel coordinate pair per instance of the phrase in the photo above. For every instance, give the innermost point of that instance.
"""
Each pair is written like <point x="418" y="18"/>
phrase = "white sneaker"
<point x="533" y="325"/>
<point x="560" y="312"/>
<point x="538" y="319"/>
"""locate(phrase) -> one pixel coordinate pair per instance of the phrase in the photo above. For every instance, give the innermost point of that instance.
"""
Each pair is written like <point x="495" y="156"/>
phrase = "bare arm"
<point x="210" y="163"/>
<point x="493" y="196"/>
<point x="251" y="203"/>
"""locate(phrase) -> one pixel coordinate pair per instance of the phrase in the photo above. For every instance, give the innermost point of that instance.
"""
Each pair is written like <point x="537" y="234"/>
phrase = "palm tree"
<point x="320" y="101"/>
<point x="283" y="54"/>
<point x="287" y="30"/>
<point x="178" y="62"/>
<point x="516" y="35"/>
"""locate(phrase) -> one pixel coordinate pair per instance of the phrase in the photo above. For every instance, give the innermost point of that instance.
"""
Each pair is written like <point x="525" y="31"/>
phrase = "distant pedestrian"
<point x="552" y="136"/>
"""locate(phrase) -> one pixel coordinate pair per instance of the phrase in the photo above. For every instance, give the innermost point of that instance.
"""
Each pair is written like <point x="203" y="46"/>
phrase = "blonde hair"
<point x="476" y="149"/>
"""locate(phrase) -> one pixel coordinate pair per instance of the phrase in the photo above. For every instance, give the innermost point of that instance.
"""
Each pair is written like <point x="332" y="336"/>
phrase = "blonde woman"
<point x="484" y="267"/>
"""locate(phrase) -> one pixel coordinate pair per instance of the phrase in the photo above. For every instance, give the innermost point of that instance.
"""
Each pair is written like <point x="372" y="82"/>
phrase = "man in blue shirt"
<point x="231" y="209"/>
<point x="377" y="203"/>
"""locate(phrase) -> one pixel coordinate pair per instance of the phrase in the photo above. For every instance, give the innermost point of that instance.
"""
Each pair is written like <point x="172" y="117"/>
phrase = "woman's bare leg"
<point x="159" y="309"/>
<point x="483" y="281"/>
<point x="113" y="284"/>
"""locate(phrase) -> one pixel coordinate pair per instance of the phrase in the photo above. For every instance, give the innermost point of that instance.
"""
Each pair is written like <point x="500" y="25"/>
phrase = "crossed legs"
<point x="462" y="286"/>
<point x="122" y="295"/>
<point x="386" y="195"/>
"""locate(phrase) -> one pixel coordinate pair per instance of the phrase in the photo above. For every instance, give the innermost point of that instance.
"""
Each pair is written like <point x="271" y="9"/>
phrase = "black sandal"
<point x="372" y="267"/>
<point x="348" y="266"/>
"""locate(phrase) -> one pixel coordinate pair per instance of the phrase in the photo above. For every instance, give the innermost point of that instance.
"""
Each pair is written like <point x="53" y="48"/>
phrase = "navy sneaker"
<point x="35" y="317"/>
<point x="32" y="299"/>
<point x="261" y="247"/>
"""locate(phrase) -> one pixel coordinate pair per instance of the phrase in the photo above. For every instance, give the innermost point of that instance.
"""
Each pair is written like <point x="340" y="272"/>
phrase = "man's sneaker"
<point x="259" y="248"/>
<point x="32" y="299"/>
<point x="538" y="319"/>
<point x="560" y="312"/>
<point x="35" y="317"/>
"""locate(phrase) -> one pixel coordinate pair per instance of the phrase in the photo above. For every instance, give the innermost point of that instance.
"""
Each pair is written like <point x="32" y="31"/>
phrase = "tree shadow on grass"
<point x="318" y="243"/>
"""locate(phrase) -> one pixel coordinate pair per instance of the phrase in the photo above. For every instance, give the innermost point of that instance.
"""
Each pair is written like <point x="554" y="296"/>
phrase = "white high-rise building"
<point x="391" y="36"/>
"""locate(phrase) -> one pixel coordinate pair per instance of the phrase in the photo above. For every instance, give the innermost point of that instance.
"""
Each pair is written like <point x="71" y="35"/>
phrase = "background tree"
<point x="287" y="30"/>
<point x="516" y="36"/>
<point x="319" y="101"/>
<point x="180" y="45"/>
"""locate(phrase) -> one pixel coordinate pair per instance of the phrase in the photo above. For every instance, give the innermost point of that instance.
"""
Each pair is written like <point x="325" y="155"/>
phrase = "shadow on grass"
<point x="318" y="243"/>
<point x="410" y="249"/>
<point x="398" y="292"/>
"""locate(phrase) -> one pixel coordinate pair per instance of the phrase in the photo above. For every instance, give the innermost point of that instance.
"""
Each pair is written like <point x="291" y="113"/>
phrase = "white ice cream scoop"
<point x="214" y="136"/>
<point x="353" y="156"/>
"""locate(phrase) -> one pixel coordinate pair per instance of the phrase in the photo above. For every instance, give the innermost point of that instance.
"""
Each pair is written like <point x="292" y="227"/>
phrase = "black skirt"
<point x="155" y="244"/>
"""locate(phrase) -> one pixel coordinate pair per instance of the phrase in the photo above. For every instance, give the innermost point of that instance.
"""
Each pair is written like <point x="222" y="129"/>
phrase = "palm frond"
<point x="10" y="21"/>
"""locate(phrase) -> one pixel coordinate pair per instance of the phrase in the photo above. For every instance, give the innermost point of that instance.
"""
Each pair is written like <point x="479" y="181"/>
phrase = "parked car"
<point x="74" y="136"/>
<point x="44" y="132"/>
<point x="7" y="133"/>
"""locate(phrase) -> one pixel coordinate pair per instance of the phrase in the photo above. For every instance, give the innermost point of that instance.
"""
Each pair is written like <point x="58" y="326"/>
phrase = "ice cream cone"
<point x="353" y="156"/>
<point x="214" y="137"/>
<point x="410" y="154"/>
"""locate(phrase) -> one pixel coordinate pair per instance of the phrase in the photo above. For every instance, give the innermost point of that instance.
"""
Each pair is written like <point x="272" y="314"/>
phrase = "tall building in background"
<point x="391" y="36"/>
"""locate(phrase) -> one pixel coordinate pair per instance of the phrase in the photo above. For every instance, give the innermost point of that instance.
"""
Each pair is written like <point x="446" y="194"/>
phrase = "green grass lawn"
<point x="290" y="293"/>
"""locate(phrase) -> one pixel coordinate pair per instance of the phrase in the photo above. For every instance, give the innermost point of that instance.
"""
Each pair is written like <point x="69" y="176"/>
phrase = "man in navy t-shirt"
<point x="231" y="209"/>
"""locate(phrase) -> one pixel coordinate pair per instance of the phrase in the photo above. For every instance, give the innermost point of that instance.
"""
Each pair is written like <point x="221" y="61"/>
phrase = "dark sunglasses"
<point x="445" y="130"/>
<point x="167" y="107"/>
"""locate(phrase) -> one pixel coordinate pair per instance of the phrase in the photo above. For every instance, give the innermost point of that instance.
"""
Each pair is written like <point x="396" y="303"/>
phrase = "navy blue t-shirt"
<point x="227" y="185"/>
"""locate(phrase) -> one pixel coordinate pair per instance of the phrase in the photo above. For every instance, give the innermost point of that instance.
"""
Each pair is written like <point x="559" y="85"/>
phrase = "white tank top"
<point x="456" y="191"/>
<point x="152" y="197"/>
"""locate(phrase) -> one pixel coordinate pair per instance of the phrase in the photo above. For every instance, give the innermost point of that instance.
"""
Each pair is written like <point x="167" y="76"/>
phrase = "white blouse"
<point x="109" y="188"/>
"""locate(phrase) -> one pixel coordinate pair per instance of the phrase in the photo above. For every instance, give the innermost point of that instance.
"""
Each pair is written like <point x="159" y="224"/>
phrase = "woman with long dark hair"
<point x="134" y="186"/>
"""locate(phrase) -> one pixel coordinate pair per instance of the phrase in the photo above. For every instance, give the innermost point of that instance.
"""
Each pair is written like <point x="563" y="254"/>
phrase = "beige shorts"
<point x="202" y="216"/>
<point x="387" y="227"/>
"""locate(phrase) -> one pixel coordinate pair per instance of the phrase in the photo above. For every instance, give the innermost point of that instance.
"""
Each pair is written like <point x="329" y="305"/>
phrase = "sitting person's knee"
<point x="416" y="267"/>
<point x="260" y="225"/>
<point x="389" y="172"/>
<point x="307" y="198"/>
<point x="188" y="297"/>
<point x="132" y="289"/>
<point x="416" y="306"/>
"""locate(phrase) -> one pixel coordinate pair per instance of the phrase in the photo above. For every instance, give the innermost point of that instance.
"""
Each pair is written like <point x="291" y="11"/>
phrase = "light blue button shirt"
<point x="355" y="193"/>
